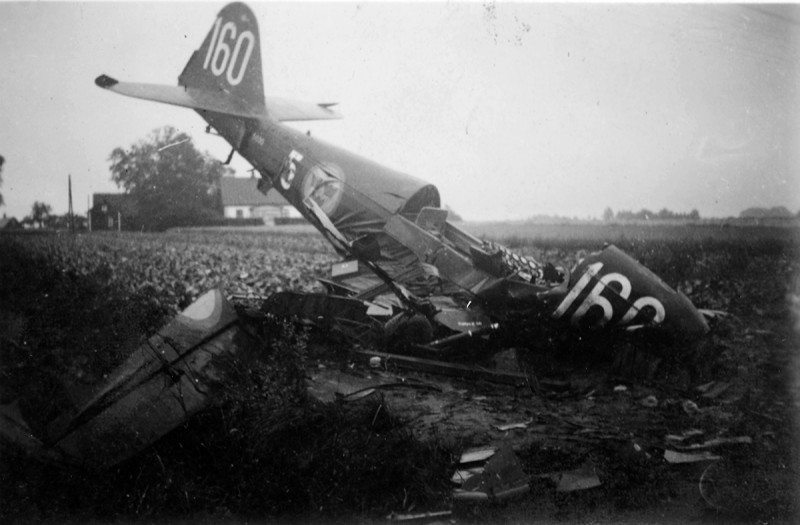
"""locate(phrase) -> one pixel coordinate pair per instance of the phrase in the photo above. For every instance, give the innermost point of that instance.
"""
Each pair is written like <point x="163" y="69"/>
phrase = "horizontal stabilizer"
<point x="284" y="110"/>
<point x="194" y="98"/>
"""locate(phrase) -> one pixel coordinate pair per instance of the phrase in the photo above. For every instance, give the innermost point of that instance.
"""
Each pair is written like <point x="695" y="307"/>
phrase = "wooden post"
<point x="71" y="218"/>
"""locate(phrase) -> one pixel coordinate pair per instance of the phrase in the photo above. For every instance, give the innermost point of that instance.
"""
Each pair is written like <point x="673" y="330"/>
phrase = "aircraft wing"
<point x="199" y="99"/>
<point x="282" y="109"/>
<point x="285" y="110"/>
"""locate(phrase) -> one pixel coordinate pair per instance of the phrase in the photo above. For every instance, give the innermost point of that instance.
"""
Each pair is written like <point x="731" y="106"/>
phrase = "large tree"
<point x="172" y="183"/>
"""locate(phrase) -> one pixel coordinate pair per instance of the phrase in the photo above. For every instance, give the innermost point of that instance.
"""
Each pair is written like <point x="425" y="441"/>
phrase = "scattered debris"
<point x="713" y="314"/>
<point x="502" y="478"/>
<point x="440" y="367"/>
<point x="511" y="426"/>
<point x="418" y="516"/>
<point x="649" y="401"/>
<point x="680" y="438"/>
<point x="460" y="476"/>
<point x="581" y="478"/>
<point x="690" y="407"/>
<point x="360" y="394"/>
<point x="740" y="440"/>
<point x="672" y="456"/>
<point x="475" y="455"/>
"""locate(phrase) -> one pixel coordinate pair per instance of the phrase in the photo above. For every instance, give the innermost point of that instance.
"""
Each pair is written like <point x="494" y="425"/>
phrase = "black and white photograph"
<point x="424" y="262"/>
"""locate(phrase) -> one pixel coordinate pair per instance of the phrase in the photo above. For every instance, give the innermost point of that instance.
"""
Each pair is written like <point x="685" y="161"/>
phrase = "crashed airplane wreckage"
<point x="409" y="281"/>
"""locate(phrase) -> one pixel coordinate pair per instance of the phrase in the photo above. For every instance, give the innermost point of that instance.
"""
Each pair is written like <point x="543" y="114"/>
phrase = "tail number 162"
<point x="224" y="50"/>
<point x="595" y="299"/>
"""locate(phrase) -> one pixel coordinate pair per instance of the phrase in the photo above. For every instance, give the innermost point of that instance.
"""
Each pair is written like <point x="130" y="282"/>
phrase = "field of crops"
<point x="593" y="235"/>
<point x="77" y="305"/>
<point x="175" y="268"/>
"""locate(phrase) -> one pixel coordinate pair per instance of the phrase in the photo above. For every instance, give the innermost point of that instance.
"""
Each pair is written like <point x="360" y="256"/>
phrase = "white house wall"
<point x="230" y="212"/>
<point x="265" y="212"/>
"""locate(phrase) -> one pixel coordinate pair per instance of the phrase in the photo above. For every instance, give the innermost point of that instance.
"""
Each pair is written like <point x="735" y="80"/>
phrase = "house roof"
<point x="239" y="191"/>
<point x="9" y="223"/>
<point x="121" y="202"/>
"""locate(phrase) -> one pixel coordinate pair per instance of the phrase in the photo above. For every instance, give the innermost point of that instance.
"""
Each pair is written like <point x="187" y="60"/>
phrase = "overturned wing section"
<point x="171" y="377"/>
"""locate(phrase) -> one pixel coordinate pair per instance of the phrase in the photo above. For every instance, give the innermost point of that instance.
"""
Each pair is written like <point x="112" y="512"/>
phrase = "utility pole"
<point x="71" y="217"/>
<point x="89" y="212"/>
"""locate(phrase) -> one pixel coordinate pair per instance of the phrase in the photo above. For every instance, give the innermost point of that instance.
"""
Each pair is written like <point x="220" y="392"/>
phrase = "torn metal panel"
<point x="502" y="478"/>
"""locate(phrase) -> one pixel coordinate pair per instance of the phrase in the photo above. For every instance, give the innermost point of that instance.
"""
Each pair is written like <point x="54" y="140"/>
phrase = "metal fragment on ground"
<point x="474" y="455"/>
<point x="581" y="478"/>
<point x="502" y="478"/>
<point x="672" y="456"/>
<point x="716" y="442"/>
<point x="419" y="515"/>
<point x="680" y="438"/>
<point x="511" y="426"/>
<point x="462" y="475"/>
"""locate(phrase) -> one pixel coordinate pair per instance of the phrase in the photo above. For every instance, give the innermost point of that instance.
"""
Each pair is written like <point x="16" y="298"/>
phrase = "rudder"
<point x="229" y="60"/>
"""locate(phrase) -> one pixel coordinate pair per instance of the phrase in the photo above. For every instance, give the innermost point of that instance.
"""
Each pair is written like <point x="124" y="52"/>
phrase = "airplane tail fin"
<point x="229" y="60"/>
<point x="224" y="76"/>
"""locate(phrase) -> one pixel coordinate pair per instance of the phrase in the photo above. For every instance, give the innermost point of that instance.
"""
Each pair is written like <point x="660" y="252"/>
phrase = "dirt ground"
<point x="624" y="424"/>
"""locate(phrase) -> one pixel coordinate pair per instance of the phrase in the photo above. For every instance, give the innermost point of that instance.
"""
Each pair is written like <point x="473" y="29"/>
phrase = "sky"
<point x="511" y="109"/>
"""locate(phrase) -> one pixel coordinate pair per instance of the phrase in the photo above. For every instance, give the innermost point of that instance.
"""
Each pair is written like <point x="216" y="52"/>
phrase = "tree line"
<point x="644" y="214"/>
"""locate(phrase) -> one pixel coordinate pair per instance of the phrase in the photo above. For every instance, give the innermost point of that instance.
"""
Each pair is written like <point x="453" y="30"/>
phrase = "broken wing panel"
<point x="161" y="385"/>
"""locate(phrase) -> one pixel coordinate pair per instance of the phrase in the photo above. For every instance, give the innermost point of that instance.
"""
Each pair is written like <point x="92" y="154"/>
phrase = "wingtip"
<point x="105" y="81"/>
<point x="330" y="108"/>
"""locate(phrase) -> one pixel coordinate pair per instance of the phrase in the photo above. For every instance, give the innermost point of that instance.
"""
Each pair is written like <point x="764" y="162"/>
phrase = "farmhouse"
<point x="242" y="200"/>
<point x="9" y="223"/>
